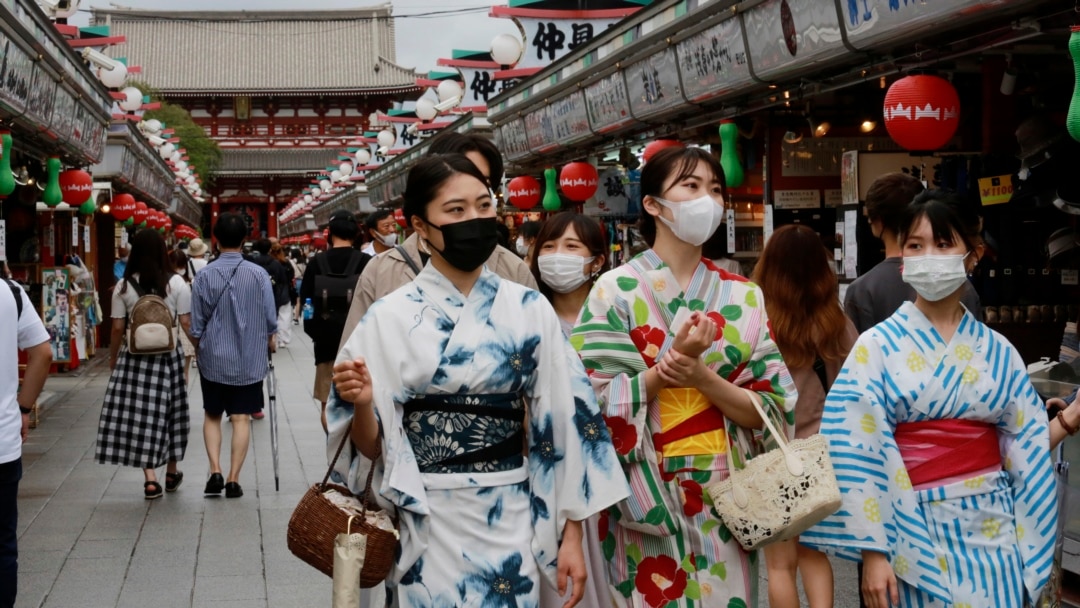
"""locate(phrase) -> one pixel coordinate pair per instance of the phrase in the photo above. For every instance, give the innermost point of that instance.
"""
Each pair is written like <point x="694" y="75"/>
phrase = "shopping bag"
<point x="349" y="550"/>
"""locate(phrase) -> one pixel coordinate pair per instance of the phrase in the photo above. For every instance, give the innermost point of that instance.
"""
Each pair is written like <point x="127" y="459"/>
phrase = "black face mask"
<point x="467" y="245"/>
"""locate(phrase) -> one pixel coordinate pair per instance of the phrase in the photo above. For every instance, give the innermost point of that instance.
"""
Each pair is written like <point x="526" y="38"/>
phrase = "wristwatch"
<point x="25" y="410"/>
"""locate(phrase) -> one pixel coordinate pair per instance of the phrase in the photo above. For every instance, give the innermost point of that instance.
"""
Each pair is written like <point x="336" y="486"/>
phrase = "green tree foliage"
<point x="202" y="151"/>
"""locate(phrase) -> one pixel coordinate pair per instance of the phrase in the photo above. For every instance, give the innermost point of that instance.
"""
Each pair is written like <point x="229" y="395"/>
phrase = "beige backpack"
<point x="150" y="325"/>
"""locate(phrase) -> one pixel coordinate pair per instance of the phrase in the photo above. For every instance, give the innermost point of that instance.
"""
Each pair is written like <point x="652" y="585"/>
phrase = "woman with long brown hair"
<point x="796" y="275"/>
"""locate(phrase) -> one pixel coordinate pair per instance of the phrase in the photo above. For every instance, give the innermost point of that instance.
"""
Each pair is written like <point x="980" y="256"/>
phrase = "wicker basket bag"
<point x="317" y="521"/>
<point x="779" y="494"/>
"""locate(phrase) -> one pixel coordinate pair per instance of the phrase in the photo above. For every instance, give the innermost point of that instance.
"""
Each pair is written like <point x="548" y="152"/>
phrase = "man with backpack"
<point x="27" y="334"/>
<point x="329" y="282"/>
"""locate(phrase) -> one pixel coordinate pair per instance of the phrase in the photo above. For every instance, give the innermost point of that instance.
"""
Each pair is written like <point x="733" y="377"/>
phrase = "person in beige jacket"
<point x="389" y="270"/>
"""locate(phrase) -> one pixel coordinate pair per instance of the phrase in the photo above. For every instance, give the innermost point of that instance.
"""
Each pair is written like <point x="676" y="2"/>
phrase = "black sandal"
<point x="152" y="490"/>
<point x="173" y="481"/>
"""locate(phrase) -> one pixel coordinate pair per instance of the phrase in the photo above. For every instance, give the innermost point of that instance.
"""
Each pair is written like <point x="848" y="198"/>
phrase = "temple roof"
<point x="255" y="52"/>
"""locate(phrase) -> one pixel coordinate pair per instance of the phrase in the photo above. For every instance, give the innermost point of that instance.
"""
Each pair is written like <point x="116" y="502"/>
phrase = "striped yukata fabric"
<point x="982" y="541"/>
<point x="233" y="337"/>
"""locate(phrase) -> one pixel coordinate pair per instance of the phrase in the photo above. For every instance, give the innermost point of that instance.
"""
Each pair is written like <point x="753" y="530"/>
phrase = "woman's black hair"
<point x="149" y="258"/>
<point x="588" y="232"/>
<point x="428" y="175"/>
<point x="179" y="261"/>
<point x="948" y="216"/>
<point x="459" y="143"/>
<point x="672" y="165"/>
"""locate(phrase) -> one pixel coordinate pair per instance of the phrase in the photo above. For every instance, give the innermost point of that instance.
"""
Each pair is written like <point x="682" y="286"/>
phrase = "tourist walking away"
<point x="120" y="265"/>
<point x="233" y="321"/>
<point x="877" y="294"/>
<point x="677" y="349"/>
<point x="795" y="272"/>
<point x="398" y="267"/>
<point x="197" y="256"/>
<point x="570" y="255"/>
<point x="329" y="282"/>
<point x="382" y="230"/>
<point x="285" y="311"/>
<point x="144" y="418"/>
<point x="947" y="485"/>
<point x="27" y="334"/>
<point x="180" y="266"/>
<point x="479" y="523"/>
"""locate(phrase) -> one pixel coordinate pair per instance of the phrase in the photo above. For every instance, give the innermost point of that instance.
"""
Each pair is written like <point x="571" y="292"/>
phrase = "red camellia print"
<point x="693" y="497"/>
<point x="660" y="580"/>
<point x="602" y="526"/>
<point x="720" y="323"/>
<point x="623" y="434"/>
<point x="648" y="341"/>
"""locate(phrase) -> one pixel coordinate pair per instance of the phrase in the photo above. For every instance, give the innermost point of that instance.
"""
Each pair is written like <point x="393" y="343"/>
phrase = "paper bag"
<point x="349" y="551"/>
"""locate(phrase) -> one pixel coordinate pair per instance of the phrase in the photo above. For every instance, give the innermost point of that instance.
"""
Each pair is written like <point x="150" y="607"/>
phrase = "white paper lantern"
<point x="167" y="150"/>
<point x="152" y="126"/>
<point x="175" y="157"/>
<point x="449" y="89"/>
<point x="386" y="138"/>
<point x="345" y="169"/>
<point x="363" y="156"/>
<point x="132" y="100"/>
<point x="506" y="49"/>
<point x="325" y="184"/>
<point x="425" y="109"/>
<point x="335" y="175"/>
<point x="308" y="199"/>
<point x="190" y="179"/>
<point x="180" y="165"/>
<point x="316" y="192"/>
<point x="114" y="78"/>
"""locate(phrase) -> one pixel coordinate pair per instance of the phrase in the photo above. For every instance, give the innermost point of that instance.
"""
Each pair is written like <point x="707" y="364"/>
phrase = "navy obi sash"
<point x="466" y="433"/>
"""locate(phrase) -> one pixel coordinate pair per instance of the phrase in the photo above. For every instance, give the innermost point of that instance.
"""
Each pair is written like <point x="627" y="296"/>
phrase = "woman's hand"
<point x="695" y="336"/>
<point x="879" y="581"/>
<point x="353" y="382"/>
<point x="683" y="371"/>
<point x="571" y="562"/>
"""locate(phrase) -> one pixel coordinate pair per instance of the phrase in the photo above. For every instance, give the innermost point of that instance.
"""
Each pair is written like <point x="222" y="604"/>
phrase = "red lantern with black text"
<point x="142" y="213"/>
<point x="76" y="186"/>
<point x="122" y="207"/>
<point x="922" y="112"/>
<point x="578" y="181"/>
<point x="656" y="146"/>
<point x="523" y="192"/>
<point x="399" y="217"/>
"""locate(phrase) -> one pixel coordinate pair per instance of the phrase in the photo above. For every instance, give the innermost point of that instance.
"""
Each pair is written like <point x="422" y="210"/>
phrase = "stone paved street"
<point x="87" y="538"/>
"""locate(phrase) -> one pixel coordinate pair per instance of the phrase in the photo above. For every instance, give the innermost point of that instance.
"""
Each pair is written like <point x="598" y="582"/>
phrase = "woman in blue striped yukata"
<point x="939" y="441"/>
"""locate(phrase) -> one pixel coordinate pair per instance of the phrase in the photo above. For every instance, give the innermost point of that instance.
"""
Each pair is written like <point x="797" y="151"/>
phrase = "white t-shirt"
<point x="196" y="264"/>
<point x="178" y="298"/>
<point x="30" y="333"/>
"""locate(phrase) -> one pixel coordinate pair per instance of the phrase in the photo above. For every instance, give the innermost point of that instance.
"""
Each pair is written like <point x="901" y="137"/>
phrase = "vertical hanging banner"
<point x="767" y="223"/>
<point x="123" y="238"/>
<point x="3" y="240"/>
<point x="50" y="239"/>
<point x="730" y="230"/>
<point x="74" y="233"/>
<point x="86" y="238"/>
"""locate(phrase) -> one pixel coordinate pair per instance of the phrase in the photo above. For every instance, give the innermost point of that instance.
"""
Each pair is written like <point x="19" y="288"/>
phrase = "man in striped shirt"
<point x="233" y="322"/>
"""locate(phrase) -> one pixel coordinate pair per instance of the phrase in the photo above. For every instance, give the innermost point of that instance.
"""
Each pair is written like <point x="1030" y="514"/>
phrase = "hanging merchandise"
<point x="552" y="202"/>
<point x="523" y="191"/>
<point x="1072" y="120"/>
<point x="76" y="187"/>
<point x="399" y="217"/>
<point x="656" y="146"/>
<point x="122" y="208"/>
<point x="922" y="112"/>
<point x="579" y="181"/>
<point x="52" y="196"/>
<point x="142" y="212"/>
<point x="89" y="207"/>
<point x="7" y="178"/>
<point x="729" y="154"/>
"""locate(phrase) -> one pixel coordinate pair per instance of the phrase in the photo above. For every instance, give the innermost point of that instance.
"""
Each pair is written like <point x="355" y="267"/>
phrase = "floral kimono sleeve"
<point x="770" y="378"/>
<point x="615" y="366"/>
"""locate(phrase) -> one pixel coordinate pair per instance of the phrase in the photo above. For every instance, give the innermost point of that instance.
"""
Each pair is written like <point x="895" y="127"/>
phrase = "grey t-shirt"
<point x="876" y="295"/>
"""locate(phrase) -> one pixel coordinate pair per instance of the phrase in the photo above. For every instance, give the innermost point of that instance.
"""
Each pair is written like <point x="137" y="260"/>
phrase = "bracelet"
<point x="25" y="410"/>
<point x="1072" y="430"/>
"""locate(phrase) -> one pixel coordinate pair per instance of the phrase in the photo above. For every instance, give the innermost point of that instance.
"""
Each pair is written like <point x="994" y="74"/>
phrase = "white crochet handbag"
<point x="779" y="494"/>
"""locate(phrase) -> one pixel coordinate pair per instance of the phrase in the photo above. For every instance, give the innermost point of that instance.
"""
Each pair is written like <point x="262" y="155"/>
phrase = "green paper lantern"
<point x="129" y="221"/>
<point x="53" y="196"/>
<point x="89" y="207"/>
<point x="7" y="179"/>
<point x="1072" y="120"/>
<point x="551" y="201"/>
<point x="141" y="226"/>
<point x="729" y="154"/>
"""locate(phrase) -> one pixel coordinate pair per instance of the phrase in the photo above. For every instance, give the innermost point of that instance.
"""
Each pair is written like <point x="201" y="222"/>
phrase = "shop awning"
<point x="129" y="160"/>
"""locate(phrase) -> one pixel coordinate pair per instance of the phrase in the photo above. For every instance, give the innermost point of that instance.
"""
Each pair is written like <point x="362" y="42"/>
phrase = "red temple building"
<point x="247" y="79"/>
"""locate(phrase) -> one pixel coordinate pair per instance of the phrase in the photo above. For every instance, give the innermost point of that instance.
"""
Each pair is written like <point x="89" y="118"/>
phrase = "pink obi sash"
<point x="936" y="452"/>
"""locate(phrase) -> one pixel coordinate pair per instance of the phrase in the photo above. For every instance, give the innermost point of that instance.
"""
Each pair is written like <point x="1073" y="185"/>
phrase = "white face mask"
<point x="522" y="248"/>
<point x="388" y="239"/>
<point x="693" y="221"/>
<point x="563" y="272"/>
<point x="935" y="277"/>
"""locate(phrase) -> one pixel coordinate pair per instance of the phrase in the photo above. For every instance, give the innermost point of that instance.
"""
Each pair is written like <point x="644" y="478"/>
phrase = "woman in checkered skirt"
<point x="144" y="420"/>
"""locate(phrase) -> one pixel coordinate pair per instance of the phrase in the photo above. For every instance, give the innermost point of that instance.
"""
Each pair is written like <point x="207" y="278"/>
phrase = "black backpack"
<point x="333" y="293"/>
<point x="17" y="293"/>
<point x="280" y="286"/>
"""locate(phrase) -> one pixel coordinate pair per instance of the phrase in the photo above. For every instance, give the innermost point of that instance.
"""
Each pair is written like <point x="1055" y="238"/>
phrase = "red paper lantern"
<point x="399" y="217"/>
<point x="656" y="146"/>
<point x="123" y="207"/>
<point x="922" y="113"/>
<point x="578" y="181"/>
<point x="76" y="186"/>
<point x="318" y="242"/>
<point x="142" y="213"/>
<point x="524" y="192"/>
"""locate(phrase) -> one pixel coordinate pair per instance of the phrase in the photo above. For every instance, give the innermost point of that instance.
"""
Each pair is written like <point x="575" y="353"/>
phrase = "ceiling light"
<point x="867" y="126"/>
<point x="822" y="129"/>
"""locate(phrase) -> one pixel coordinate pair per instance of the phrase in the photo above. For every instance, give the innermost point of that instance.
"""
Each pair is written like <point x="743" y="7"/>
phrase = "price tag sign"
<point x="3" y="241"/>
<point x="1070" y="277"/>
<point x="124" y="239"/>
<point x="731" y="230"/>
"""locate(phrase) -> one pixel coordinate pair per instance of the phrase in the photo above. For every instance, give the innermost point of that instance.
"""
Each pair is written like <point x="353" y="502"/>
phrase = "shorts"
<point x="232" y="400"/>
<point x="324" y="373"/>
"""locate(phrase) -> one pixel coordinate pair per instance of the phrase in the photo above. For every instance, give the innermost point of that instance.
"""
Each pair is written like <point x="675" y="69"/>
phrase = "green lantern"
<point x="729" y="154"/>
<point x="141" y="226"/>
<point x="53" y="196"/>
<point x="7" y="179"/>
<point x="1072" y="120"/>
<point x="129" y="221"/>
<point x="551" y="201"/>
<point x="89" y="207"/>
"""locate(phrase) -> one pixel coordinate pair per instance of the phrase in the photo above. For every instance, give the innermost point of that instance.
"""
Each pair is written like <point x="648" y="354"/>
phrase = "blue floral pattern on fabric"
<point x="439" y="435"/>
<point x="500" y="586"/>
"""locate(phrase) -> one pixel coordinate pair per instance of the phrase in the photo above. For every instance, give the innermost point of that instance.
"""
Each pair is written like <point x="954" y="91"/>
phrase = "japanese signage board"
<point x="548" y="40"/>
<point x="39" y="104"/>
<point x="873" y="22"/>
<point x="539" y="129"/>
<point x="652" y="84"/>
<point x="785" y="36"/>
<point x="612" y="197"/>
<point x="995" y="190"/>
<point x="570" y="119"/>
<point x="64" y="115"/>
<point x="480" y="86"/>
<point x="713" y="62"/>
<point x="607" y="104"/>
<point x="511" y="139"/>
<point x="797" y="199"/>
<point x="18" y="67"/>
